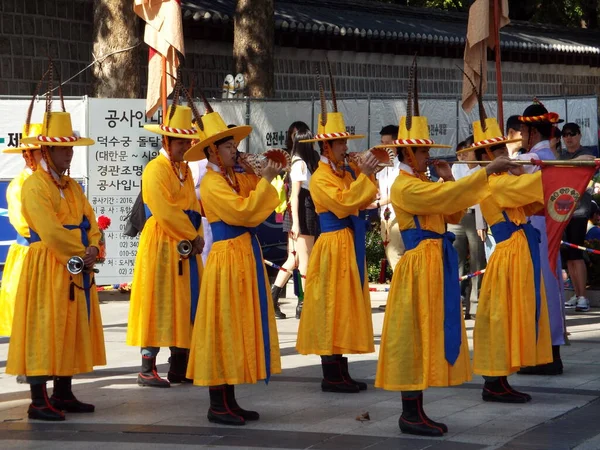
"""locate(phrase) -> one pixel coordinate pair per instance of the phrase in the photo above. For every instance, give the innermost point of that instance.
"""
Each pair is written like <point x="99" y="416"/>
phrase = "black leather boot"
<point x="553" y="368"/>
<point x="148" y="376"/>
<point x="414" y="421"/>
<point x="344" y="363"/>
<point x="41" y="408"/>
<point x="220" y="409"/>
<point x="440" y="425"/>
<point x="177" y="368"/>
<point x="275" y="293"/>
<point x="334" y="380"/>
<point x="233" y="405"/>
<point x="499" y="391"/>
<point x="64" y="400"/>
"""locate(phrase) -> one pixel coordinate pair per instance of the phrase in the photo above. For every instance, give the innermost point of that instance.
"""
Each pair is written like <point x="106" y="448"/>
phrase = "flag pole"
<point x="163" y="85"/>
<point x="497" y="51"/>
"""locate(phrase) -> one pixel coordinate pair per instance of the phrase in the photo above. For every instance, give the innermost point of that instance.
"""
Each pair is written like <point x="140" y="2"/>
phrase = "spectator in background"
<point x="575" y="232"/>
<point x="555" y="144"/>
<point x="469" y="237"/>
<point x="513" y="131"/>
<point x="291" y="261"/>
<point x="389" y="227"/>
<point x="593" y="229"/>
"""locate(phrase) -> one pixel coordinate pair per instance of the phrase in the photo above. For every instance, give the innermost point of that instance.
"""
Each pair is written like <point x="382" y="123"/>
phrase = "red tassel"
<point x="382" y="269"/>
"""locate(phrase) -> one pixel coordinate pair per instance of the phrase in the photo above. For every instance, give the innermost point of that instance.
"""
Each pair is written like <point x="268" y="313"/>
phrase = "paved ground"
<point x="295" y="414"/>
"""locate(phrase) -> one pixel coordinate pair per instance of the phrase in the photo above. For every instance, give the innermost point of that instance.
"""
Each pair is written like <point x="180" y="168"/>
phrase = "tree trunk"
<point x="253" y="45"/>
<point x="116" y="27"/>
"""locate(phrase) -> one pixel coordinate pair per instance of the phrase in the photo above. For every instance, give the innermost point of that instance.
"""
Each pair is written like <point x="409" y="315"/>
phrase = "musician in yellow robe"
<point x="512" y="327"/>
<point x="18" y="250"/>
<point x="57" y="327"/>
<point x="166" y="284"/>
<point x="424" y="341"/>
<point x="235" y="336"/>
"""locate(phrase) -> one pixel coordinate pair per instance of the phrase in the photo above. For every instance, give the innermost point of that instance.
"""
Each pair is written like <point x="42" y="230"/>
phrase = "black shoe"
<point x="41" y="408"/>
<point x="344" y="363"/>
<point x="233" y="405"/>
<point x="299" y="309"/>
<point x="414" y="421"/>
<point x="275" y="294"/>
<point x="553" y="368"/>
<point x="148" y="376"/>
<point x="334" y="380"/>
<point x="504" y="381"/>
<point x="220" y="410"/>
<point x="177" y="368"/>
<point x="440" y="425"/>
<point x="63" y="398"/>
<point x="497" y="391"/>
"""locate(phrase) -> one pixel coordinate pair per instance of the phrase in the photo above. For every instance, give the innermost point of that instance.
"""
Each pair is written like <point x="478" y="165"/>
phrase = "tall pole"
<point x="497" y="51"/>
<point x="163" y="86"/>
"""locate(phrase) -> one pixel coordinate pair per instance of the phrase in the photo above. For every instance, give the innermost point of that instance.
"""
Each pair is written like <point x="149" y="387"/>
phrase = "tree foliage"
<point x="569" y="13"/>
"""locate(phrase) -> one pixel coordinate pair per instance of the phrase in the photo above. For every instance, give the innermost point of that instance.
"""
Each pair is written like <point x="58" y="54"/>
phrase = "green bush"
<point x="375" y="253"/>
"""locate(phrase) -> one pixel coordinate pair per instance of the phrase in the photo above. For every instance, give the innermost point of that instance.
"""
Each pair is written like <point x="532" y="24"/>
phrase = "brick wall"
<point x="359" y="74"/>
<point x="32" y="30"/>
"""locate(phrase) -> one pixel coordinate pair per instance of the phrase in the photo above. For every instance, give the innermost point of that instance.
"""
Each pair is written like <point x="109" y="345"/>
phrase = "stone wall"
<point x="375" y="74"/>
<point x="33" y="30"/>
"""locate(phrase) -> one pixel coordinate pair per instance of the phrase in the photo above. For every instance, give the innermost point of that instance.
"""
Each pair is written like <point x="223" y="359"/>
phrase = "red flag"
<point x="563" y="187"/>
<point x="164" y="36"/>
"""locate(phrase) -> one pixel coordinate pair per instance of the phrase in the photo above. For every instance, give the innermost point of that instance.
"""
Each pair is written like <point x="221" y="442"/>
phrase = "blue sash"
<point x="330" y="222"/>
<point x="503" y="231"/>
<point x="222" y="232"/>
<point x="196" y="220"/>
<point x="452" y="305"/>
<point x="84" y="226"/>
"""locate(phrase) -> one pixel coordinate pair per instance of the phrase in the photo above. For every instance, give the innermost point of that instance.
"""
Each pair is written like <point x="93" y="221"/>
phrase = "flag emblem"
<point x="561" y="203"/>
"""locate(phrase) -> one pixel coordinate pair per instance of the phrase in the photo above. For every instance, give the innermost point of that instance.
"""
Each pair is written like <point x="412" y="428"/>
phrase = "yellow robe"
<point x="16" y="253"/>
<point x="505" y="336"/>
<point x="160" y="305"/>
<point x="412" y="356"/>
<point x="51" y="334"/>
<point x="227" y="343"/>
<point x="336" y="316"/>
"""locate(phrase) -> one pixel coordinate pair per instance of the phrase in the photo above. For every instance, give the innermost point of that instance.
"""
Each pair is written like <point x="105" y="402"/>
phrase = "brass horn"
<point x="184" y="248"/>
<point x="75" y="265"/>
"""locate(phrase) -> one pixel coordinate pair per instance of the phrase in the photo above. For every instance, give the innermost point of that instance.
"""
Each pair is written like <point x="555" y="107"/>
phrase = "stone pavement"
<point x="295" y="414"/>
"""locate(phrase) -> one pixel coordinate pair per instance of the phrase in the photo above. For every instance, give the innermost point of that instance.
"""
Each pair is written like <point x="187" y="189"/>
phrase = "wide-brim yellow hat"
<point x="215" y="129"/>
<point x="491" y="137"/>
<point x="417" y="136"/>
<point x="34" y="130"/>
<point x="57" y="131"/>
<point x="334" y="128"/>
<point x="179" y="126"/>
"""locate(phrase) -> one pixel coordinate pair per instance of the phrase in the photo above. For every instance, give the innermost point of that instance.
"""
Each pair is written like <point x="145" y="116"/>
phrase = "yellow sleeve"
<point x="423" y="198"/>
<point x="343" y="202"/>
<point x="169" y="216"/>
<point x="454" y="218"/>
<point x="13" y="199"/>
<point x="235" y="209"/>
<point x="517" y="191"/>
<point x="94" y="232"/>
<point x="40" y="214"/>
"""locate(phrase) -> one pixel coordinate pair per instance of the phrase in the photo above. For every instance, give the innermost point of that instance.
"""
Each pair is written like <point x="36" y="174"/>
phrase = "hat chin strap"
<point x="490" y="153"/>
<point x="412" y="162"/>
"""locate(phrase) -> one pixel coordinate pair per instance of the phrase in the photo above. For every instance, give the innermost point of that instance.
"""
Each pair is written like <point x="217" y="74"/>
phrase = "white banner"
<point x="583" y="111"/>
<point x="14" y="114"/>
<point x="356" y="116"/>
<point x="442" y="120"/>
<point x="116" y="161"/>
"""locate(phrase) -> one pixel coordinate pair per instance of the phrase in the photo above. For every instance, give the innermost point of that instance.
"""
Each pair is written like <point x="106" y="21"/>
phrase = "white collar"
<point x="28" y="171"/>
<point x="405" y="167"/>
<point x="213" y="167"/>
<point x="165" y="154"/>
<point x="540" y="145"/>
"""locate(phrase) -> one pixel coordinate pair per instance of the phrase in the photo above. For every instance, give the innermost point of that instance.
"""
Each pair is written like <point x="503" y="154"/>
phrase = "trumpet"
<point x="184" y="248"/>
<point x="256" y="161"/>
<point x="75" y="265"/>
<point x="385" y="156"/>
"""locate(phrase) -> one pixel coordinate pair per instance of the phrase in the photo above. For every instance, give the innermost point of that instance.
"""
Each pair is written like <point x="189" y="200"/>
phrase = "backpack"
<point x="136" y="219"/>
